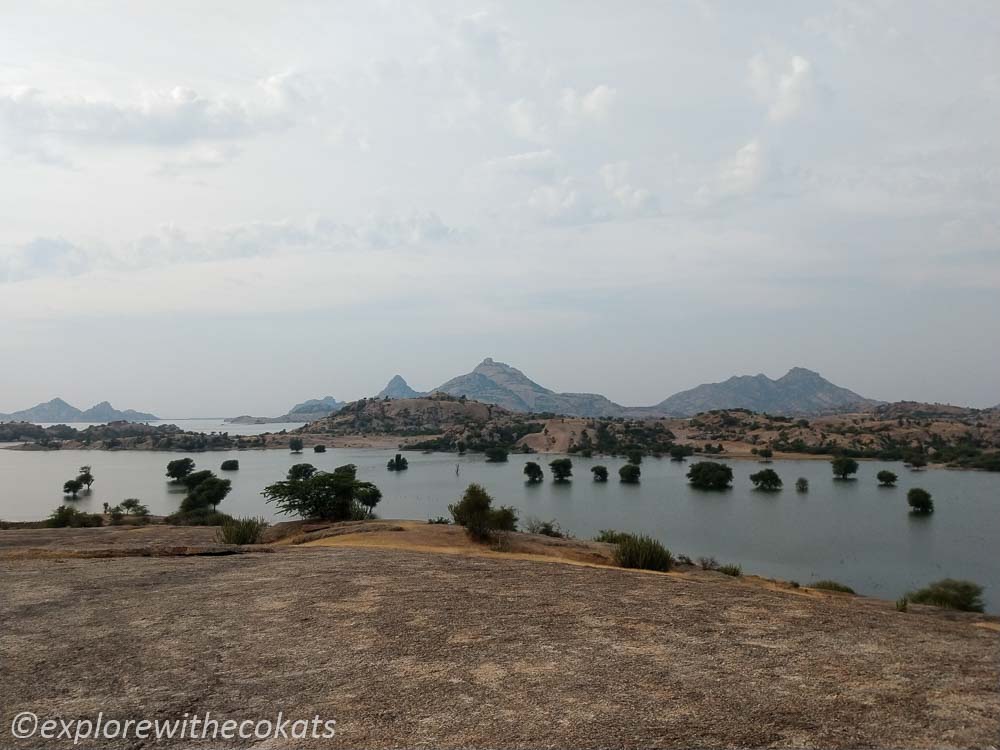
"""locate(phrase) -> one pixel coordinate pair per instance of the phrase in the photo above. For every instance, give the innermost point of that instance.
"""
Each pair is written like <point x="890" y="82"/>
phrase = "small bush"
<point x="801" y="484"/>
<point x="684" y="560"/>
<point x="319" y="449"/>
<point x="199" y="517"/>
<point x="641" y="551"/>
<point x="951" y="593"/>
<point x="230" y="464"/>
<point x="545" y="528"/>
<point x="920" y="501"/>
<point x="832" y="586"/>
<point x="476" y="513"/>
<point x="600" y="473"/>
<point x="794" y="584"/>
<point x="708" y="563"/>
<point x="731" y="570"/>
<point x="241" y="531"/>
<point x="902" y="605"/>
<point x="440" y="519"/>
<point x="610" y="536"/>
<point x="66" y="517"/>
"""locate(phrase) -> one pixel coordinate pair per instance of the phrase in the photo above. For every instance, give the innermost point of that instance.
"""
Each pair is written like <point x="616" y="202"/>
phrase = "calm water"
<point x="854" y="532"/>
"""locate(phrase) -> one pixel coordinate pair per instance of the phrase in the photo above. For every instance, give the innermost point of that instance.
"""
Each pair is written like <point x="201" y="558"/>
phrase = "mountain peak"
<point x="397" y="387"/>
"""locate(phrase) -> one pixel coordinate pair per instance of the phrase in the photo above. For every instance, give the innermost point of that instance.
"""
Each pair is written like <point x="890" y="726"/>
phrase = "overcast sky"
<point x="226" y="208"/>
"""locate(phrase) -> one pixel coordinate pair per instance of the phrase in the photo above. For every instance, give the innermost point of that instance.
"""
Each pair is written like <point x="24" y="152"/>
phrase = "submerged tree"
<point x="710" y="475"/>
<point x="561" y="468"/>
<point x="496" y="454"/>
<point x="801" y="484"/>
<point x="600" y="473"/>
<point x="295" y="444"/>
<point x="86" y="476"/>
<point x="629" y="474"/>
<point x="533" y="472"/>
<point x="886" y="478"/>
<point x="920" y="501"/>
<point x="72" y="487"/>
<point x="766" y="479"/>
<point x="180" y="468"/>
<point x="398" y="463"/>
<point x="844" y="466"/>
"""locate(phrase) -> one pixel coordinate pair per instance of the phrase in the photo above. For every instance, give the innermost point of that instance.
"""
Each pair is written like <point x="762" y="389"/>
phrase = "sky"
<point x="228" y="208"/>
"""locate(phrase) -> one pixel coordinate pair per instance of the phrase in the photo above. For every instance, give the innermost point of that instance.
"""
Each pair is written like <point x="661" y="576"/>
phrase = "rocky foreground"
<point x="409" y="648"/>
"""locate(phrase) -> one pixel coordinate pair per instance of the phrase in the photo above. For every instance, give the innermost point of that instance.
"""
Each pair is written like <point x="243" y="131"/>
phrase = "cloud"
<point x="740" y="174"/>
<point x="39" y="123"/>
<point x="42" y="256"/>
<point x="631" y="199"/>
<point x="595" y="104"/>
<point x="525" y="122"/>
<point x="531" y="163"/>
<point x="787" y="89"/>
<point x="198" y="159"/>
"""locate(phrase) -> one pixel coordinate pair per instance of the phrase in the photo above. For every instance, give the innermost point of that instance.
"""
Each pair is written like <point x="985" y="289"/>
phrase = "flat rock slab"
<point x="410" y="649"/>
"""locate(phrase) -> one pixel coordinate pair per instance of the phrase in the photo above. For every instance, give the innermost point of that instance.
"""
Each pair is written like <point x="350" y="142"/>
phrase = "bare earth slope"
<point x="407" y="649"/>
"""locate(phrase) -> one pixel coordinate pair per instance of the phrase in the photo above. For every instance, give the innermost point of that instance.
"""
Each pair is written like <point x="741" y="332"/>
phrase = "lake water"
<point x="854" y="532"/>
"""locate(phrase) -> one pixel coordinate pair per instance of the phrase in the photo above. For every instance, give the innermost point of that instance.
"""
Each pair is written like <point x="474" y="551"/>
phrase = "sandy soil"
<point x="408" y="648"/>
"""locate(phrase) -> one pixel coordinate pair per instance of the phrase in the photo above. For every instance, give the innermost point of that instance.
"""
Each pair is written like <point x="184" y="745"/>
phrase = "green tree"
<point x="801" y="484"/>
<point x="180" y="468"/>
<point x="86" y="476"/>
<point x="496" y="454"/>
<point x="710" y="475"/>
<point x="319" y="449"/>
<point x="561" y="468"/>
<point x="920" y="501"/>
<point x="329" y="496"/>
<point x="398" y="463"/>
<point x="634" y="457"/>
<point x="629" y="474"/>
<point x="600" y="473"/>
<point x="886" y="478"/>
<point x="476" y="513"/>
<point x="230" y="464"/>
<point x="72" y="487"/>
<point x="680" y="452"/>
<point x="844" y="466"/>
<point x="210" y="490"/>
<point x="767" y="480"/>
<point x="949" y="592"/>
<point x="533" y="472"/>
<point x="134" y="505"/>
<point x="295" y="444"/>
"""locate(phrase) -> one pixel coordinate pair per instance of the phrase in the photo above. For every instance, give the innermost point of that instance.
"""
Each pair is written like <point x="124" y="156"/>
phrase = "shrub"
<point x="72" y="487"/>
<point x="708" y="563"/>
<point x="634" y="457"/>
<point x="610" y="536"/>
<point x="439" y="520"/>
<point x="476" y="513"/>
<point x="241" y="531"/>
<point x="801" y="484"/>
<point x="684" y="560"/>
<point x="561" y="468"/>
<point x="629" y="474"/>
<point x="398" y="463"/>
<point x="680" y="452"/>
<point x="902" y="605"/>
<point x="199" y="517"/>
<point x="230" y="464"/>
<point x="533" y="472"/>
<point x="64" y="516"/>
<point x="731" y="570"/>
<point x="210" y="490"/>
<point x="600" y="473"/>
<point x="709" y="475"/>
<point x="134" y="506"/>
<point x="886" y="478"/>
<point x="319" y="449"/>
<point x="295" y="444"/>
<point x="951" y="593"/>
<point x="920" y="501"/>
<point x="641" y="551"/>
<point x="843" y="467"/>
<point x="832" y="586"/>
<point x="545" y="528"/>
<point x="767" y="480"/>
<point x="496" y="455"/>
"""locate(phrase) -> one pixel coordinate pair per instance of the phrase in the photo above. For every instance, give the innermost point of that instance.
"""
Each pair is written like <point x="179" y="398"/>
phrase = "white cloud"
<point x="595" y="104"/>
<point x="739" y="175"/>
<point x="533" y="163"/>
<point x="631" y="199"/>
<point x="786" y="89"/>
<point x="524" y="120"/>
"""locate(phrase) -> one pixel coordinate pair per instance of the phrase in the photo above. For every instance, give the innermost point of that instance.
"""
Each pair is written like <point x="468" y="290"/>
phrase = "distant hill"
<point x="58" y="410"/>
<point x="799" y="391"/>
<point x="308" y="411"/>
<point x="398" y="388"/>
<point x="498" y="383"/>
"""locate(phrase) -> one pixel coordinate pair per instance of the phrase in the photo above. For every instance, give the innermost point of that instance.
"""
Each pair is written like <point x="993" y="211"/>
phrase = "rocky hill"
<point x="58" y="410"/>
<point x="398" y="388"/>
<point x="498" y="383"/>
<point x="799" y="391"/>
<point x="307" y="411"/>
